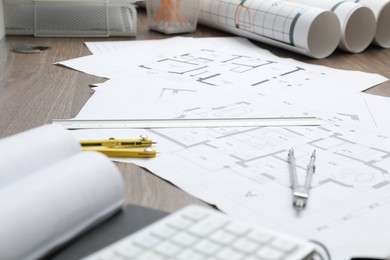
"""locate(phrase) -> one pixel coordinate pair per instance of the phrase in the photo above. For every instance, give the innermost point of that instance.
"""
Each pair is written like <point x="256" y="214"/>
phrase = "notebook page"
<point x="46" y="209"/>
<point x="26" y="152"/>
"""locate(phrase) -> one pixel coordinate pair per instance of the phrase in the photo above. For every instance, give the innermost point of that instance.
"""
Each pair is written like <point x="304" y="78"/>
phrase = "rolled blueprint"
<point x="381" y="9"/>
<point x="303" y="29"/>
<point x="358" y="22"/>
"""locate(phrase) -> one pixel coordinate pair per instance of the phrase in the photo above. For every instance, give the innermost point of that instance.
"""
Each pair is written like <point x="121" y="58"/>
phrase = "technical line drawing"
<point x="258" y="155"/>
<point x="173" y="91"/>
<point x="215" y="68"/>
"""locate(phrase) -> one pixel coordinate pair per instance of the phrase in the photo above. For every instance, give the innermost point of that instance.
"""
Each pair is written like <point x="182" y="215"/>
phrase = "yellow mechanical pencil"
<point x="123" y="152"/>
<point x="112" y="142"/>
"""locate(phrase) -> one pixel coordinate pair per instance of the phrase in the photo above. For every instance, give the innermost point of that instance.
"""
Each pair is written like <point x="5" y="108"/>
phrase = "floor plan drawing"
<point x="259" y="155"/>
<point x="216" y="68"/>
<point x="244" y="171"/>
<point x="173" y="91"/>
<point x="249" y="167"/>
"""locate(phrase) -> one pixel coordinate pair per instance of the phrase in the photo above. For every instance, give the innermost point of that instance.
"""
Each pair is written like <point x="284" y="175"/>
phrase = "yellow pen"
<point x="112" y="142"/>
<point x="123" y="152"/>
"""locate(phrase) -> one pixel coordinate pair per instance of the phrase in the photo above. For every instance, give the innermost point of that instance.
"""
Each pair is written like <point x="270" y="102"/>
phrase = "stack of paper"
<point x="244" y="171"/>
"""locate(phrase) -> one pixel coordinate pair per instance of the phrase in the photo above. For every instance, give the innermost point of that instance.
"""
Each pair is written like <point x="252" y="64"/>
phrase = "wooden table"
<point x="33" y="91"/>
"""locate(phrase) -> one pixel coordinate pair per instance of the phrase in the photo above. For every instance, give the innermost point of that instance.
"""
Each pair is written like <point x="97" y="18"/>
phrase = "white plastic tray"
<point x="94" y="18"/>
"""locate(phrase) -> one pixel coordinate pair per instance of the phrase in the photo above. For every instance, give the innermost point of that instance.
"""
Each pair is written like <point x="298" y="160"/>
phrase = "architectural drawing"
<point x="244" y="170"/>
<point x="216" y="68"/>
<point x="259" y="155"/>
<point x="173" y="91"/>
<point x="346" y="165"/>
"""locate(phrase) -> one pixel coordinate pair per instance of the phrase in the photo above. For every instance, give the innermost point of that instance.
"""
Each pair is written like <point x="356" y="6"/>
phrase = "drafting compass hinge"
<point x="301" y="192"/>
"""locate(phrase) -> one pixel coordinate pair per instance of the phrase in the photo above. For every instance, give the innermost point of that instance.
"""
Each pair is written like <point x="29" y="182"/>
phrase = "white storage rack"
<point x="70" y="18"/>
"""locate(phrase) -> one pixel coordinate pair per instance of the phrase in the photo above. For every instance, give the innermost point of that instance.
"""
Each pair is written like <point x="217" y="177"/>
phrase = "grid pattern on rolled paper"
<point x="272" y="19"/>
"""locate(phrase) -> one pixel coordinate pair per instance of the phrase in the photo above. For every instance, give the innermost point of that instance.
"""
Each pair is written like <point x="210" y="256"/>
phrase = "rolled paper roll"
<point x="308" y="30"/>
<point x="381" y="9"/>
<point x="357" y="21"/>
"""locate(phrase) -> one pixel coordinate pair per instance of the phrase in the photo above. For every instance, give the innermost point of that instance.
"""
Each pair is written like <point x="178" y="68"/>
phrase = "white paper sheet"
<point x="367" y="110"/>
<point x="221" y="62"/>
<point x="105" y="46"/>
<point x="379" y="110"/>
<point x="120" y="62"/>
<point x="244" y="171"/>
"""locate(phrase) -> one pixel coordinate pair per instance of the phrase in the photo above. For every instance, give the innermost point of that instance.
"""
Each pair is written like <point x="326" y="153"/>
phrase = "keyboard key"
<point x="222" y="237"/>
<point x="268" y="253"/>
<point x="128" y="250"/>
<point x="163" y="231"/>
<point x="180" y="222"/>
<point x="150" y="256"/>
<point x="168" y="249"/>
<point x="190" y="255"/>
<point x="208" y="225"/>
<point x="260" y="236"/>
<point x="146" y="240"/>
<point x="237" y="229"/>
<point x="207" y="247"/>
<point x="109" y="255"/>
<point x="231" y="254"/>
<point x="283" y="245"/>
<point x="185" y="239"/>
<point x="245" y="245"/>
<point x="195" y="215"/>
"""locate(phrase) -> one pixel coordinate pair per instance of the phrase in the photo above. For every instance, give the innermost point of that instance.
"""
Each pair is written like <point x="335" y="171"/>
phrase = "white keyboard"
<point x="196" y="232"/>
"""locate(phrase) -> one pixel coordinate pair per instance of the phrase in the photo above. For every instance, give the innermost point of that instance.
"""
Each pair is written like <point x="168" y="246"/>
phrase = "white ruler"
<point x="187" y="123"/>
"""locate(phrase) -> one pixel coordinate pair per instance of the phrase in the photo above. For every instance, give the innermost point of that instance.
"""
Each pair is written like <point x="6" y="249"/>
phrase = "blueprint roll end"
<point x="382" y="35"/>
<point x="358" y="26"/>
<point x="324" y="35"/>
